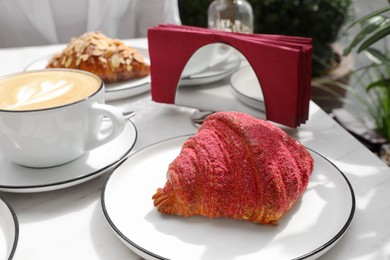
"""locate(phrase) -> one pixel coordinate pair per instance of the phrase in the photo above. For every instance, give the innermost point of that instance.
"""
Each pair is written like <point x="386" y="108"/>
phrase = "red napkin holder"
<point x="282" y="65"/>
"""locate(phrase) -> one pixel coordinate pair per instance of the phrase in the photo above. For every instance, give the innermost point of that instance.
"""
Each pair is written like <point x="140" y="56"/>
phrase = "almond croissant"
<point x="238" y="167"/>
<point x="110" y="59"/>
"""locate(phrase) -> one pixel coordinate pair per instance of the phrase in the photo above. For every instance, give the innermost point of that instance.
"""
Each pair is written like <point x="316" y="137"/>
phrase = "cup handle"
<point x="118" y="124"/>
<point x="221" y="53"/>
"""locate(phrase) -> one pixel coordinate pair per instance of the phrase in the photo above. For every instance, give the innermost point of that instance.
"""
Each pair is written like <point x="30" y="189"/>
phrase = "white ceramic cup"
<point x="207" y="56"/>
<point x="51" y="117"/>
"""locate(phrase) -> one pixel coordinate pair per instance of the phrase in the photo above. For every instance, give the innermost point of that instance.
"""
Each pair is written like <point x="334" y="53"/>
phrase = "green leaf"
<point x="380" y="83"/>
<point x="367" y="28"/>
<point x="377" y="56"/>
<point x="377" y="35"/>
<point x="370" y="15"/>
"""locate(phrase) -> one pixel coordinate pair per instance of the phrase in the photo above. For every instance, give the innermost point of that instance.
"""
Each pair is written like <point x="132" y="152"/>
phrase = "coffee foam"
<point x="45" y="89"/>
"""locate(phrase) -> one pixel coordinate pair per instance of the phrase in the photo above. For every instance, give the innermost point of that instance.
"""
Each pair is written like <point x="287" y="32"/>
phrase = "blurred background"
<point x="350" y="84"/>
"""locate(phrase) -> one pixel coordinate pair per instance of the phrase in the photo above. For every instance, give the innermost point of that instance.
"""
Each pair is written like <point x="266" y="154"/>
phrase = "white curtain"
<point x="41" y="22"/>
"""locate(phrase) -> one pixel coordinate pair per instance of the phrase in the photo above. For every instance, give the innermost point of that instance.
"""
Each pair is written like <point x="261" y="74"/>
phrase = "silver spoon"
<point x="199" y="116"/>
<point x="126" y="115"/>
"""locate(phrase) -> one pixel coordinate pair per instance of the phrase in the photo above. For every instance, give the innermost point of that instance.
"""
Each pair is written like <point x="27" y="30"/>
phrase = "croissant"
<point x="236" y="166"/>
<point x="110" y="59"/>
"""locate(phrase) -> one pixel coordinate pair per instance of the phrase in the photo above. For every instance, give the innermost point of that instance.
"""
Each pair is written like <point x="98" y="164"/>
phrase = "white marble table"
<point x="69" y="223"/>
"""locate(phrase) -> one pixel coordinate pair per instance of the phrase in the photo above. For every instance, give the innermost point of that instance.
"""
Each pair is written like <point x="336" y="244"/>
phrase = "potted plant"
<point x="374" y="78"/>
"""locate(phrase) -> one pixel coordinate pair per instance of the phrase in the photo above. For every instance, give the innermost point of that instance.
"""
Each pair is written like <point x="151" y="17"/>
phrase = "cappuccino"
<point x="53" y="116"/>
<point x="46" y="89"/>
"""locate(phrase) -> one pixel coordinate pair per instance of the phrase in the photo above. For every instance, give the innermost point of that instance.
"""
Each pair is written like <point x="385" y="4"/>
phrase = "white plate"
<point x="213" y="73"/>
<point x="9" y="231"/>
<point x="17" y="178"/>
<point x="114" y="91"/>
<point x="246" y="88"/>
<point x="308" y="230"/>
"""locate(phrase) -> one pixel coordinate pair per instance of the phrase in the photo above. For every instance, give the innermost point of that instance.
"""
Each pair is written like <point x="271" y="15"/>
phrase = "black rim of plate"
<point x="16" y="229"/>
<point x="302" y="257"/>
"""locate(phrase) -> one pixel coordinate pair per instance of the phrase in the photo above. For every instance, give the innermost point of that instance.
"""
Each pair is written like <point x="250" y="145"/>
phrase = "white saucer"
<point x="213" y="73"/>
<point x="128" y="207"/>
<point x="20" y="179"/>
<point x="114" y="91"/>
<point x="246" y="88"/>
<point x="9" y="231"/>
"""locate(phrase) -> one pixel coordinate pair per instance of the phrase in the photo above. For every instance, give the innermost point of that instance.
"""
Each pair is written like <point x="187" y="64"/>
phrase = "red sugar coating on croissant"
<point x="236" y="166"/>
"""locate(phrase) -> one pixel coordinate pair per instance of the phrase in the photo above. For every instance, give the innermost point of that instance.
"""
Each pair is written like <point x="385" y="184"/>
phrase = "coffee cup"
<point x="205" y="57"/>
<point x="53" y="116"/>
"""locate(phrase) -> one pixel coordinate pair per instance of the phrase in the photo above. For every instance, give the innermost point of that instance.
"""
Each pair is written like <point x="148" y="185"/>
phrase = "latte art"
<point x="45" y="89"/>
<point x="35" y="93"/>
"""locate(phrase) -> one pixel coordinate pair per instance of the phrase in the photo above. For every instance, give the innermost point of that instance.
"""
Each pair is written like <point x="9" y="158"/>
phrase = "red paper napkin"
<point x="281" y="63"/>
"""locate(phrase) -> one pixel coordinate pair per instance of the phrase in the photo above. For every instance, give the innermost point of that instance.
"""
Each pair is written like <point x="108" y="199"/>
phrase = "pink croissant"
<point x="238" y="167"/>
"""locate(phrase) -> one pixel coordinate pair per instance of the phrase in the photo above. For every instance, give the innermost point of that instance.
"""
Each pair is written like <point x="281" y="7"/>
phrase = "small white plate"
<point x="114" y="91"/>
<point x="9" y="231"/>
<point x="17" y="178"/>
<point x="213" y="73"/>
<point x="128" y="207"/>
<point x="246" y="88"/>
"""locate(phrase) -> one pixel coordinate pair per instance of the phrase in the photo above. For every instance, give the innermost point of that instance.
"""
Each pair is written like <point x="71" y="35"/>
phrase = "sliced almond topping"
<point x="68" y="51"/>
<point x="78" y="60"/>
<point x="94" y="42"/>
<point x="102" y="45"/>
<point x="78" y="47"/>
<point x="117" y="42"/>
<point x="84" y="57"/>
<point x="121" y="47"/>
<point x="102" y="59"/>
<point x="115" y="61"/>
<point x="112" y="48"/>
<point x="138" y="57"/>
<point x="131" y="49"/>
<point x="108" y="53"/>
<point x="129" y="68"/>
<point x="96" y="35"/>
<point x="97" y="52"/>
<point x="68" y="62"/>
<point x="63" y="60"/>
<point x="127" y="54"/>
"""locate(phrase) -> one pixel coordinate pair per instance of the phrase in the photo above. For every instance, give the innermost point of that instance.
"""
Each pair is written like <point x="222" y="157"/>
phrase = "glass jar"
<point x="231" y="16"/>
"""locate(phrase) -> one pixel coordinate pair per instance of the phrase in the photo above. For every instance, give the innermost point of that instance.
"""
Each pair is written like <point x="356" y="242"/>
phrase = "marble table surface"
<point x="69" y="223"/>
